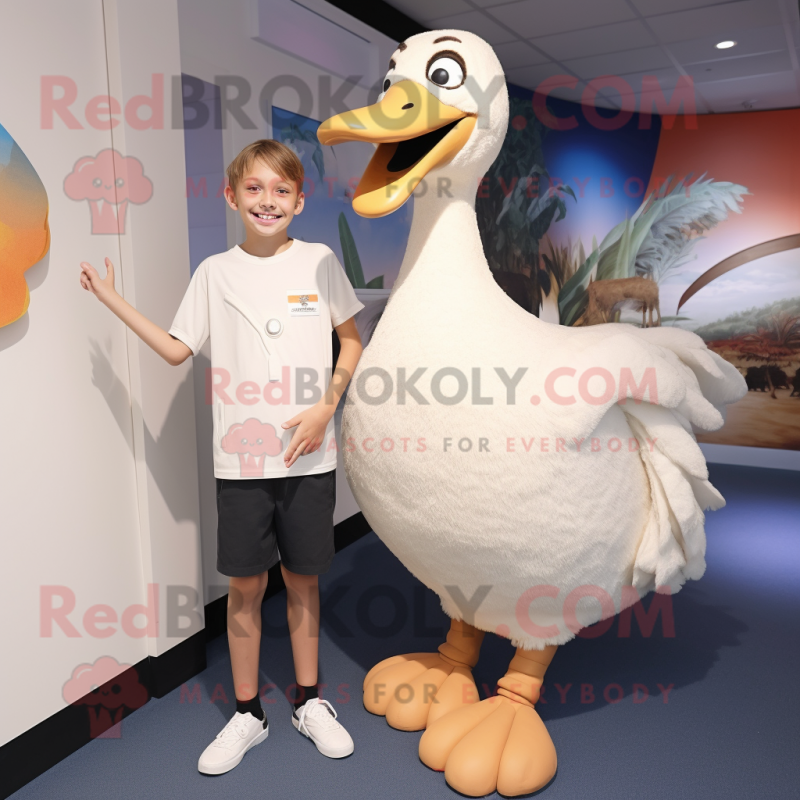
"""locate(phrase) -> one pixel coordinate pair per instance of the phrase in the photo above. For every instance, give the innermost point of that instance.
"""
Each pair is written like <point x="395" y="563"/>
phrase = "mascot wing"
<point x="682" y="386"/>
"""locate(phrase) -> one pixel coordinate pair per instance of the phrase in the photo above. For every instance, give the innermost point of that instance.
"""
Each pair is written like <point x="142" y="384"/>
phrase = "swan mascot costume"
<point x="539" y="478"/>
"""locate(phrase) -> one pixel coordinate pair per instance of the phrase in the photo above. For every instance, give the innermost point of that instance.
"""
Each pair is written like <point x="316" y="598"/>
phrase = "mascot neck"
<point x="444" y="246"/>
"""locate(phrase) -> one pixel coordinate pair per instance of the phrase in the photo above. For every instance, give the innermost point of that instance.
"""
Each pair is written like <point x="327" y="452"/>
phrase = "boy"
<point x="268" y="305"/>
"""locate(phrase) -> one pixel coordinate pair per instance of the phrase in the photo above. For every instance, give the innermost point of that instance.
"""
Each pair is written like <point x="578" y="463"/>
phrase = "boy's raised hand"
<point x="101" y="288"/>
<point x="170" y="348"/>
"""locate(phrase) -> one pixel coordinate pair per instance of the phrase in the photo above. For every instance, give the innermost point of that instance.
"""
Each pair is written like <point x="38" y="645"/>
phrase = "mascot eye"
<point x="446" y="72"/>
<point x="386" y="84"/>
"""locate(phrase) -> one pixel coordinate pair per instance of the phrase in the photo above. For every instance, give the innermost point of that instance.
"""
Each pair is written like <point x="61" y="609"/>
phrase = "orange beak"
<point x="414" y="131"/>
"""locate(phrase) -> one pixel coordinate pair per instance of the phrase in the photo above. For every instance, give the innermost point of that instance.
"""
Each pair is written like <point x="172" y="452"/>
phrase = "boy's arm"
<point x="172" y="350"/>
<point x="311" y="424"/>
<point x="349" y="354"/>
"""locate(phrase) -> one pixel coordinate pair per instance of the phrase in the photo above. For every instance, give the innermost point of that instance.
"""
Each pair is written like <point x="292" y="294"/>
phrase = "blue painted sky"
<point x="607" y="158"/>
<point x="6" y="143"/>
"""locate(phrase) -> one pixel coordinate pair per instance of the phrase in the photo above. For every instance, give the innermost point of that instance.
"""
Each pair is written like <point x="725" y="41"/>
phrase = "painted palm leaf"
<point x="352" y="263"/>
<point x="688" y="209"/>
<point x="572" y="298"/>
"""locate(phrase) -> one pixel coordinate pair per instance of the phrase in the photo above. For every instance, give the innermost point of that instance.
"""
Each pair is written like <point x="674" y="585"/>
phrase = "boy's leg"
<point x="246" y="544"/>
<point x="313" y="716"/>
<point x="244" y="632"/>
<point x="249" y="725"/>
<point x="246" y="549"/>
<point x="302" y="613"/>
<point x="304" y="520"/>
<point x="304" y="514"/>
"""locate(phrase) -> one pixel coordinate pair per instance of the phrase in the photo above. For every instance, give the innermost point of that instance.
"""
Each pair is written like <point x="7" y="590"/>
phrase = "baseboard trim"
<point x="737" y="455"/>
<point x="41" y="747"/>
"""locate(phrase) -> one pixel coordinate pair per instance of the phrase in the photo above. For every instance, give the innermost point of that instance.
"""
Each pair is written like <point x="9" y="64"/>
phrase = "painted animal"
<point x="756" y="379"/>
<point x="607" y="296"/>
<point x="766" y="378"/>
<point x="780" y="380"/>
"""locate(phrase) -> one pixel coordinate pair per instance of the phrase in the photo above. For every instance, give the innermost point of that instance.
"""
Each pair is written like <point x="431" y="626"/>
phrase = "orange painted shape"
<point x="757" y="150"/>
<point x="24" y="227"/>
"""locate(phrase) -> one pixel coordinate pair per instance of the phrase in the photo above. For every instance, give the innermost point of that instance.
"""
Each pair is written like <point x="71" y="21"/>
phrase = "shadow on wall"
<point x="165" y="451"/>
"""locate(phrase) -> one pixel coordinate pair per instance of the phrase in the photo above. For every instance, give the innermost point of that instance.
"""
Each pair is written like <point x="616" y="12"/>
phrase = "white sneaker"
<point x="231" y="743"/>
<point x="317" y="721"/>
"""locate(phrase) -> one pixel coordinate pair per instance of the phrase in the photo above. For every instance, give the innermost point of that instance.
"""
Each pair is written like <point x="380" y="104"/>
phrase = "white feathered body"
<point x="511" y="540"/>
<point x="540" y="522"/>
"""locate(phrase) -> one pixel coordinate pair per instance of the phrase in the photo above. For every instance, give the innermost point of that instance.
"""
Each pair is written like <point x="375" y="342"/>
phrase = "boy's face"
<point x="266" y="201"/>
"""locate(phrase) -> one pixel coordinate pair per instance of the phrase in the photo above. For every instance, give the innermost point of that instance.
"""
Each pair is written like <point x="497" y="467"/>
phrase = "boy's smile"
<point x="267" y="203"/>
<point x="266" y="219"/>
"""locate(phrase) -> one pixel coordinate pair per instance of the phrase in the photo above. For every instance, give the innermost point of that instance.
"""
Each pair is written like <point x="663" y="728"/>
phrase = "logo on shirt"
<point x="303" y="304"/>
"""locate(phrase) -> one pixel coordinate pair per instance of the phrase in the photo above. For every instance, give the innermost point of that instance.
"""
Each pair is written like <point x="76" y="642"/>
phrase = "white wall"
<point x="98" y="485"/>
<point x="142" y="41"/>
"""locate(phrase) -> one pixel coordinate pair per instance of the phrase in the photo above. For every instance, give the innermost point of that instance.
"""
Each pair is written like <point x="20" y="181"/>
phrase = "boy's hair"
<point x="278" y="157"/>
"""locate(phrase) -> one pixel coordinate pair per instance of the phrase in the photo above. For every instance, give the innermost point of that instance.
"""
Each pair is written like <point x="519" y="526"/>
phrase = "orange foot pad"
<point x="416" y="689"/>
<point x="495" y="745"/>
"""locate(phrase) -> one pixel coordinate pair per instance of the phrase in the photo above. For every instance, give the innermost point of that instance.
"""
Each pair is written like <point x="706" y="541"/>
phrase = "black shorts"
<point x="259" y="516"/>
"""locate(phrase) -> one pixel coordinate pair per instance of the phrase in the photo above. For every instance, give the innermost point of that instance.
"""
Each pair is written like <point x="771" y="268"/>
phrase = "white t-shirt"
<point x="270" y="323"/>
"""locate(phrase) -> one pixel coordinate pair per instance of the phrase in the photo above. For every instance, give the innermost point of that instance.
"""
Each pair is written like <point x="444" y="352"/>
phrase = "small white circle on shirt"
<point x="274" y="327"/>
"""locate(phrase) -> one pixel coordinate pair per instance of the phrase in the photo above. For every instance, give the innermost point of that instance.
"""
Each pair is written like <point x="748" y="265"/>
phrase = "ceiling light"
<point x="725" y="45"/>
